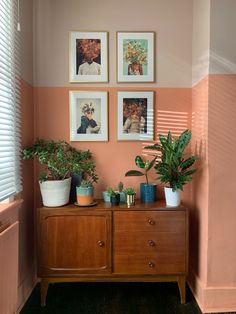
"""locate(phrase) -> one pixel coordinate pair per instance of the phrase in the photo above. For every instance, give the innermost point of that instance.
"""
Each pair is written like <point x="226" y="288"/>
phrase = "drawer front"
<point x="150" y="242"/>
<point x="161" y="264"/>
<point x="161" y="221"/>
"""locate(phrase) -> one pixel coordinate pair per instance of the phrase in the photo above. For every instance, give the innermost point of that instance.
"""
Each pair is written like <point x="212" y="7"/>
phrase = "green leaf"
<point x="185" y="164"/>
<point x="139" y="162"/>
<point x="183" y="140"/>
<point x="134" y="173"/>
<point x="151" y="163"/>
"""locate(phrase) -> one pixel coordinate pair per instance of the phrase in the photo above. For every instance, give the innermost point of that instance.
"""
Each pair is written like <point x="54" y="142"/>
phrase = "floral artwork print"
<point x="135" y="115"/>
<point x="135" y="53"/>
<point x="88" y="48"/>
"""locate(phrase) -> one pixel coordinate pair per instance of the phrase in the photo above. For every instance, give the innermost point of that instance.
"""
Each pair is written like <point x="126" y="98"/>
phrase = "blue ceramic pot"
<point x="148" y="192"/>
<point x="115" y="200"/>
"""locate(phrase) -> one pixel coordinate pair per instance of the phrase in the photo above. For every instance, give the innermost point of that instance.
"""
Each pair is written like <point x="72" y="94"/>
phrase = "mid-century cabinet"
<point x="147" y="242"/>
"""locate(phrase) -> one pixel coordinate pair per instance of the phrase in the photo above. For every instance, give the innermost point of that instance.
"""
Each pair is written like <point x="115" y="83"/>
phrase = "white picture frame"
<point x="84" y="46"/>
<point x="88" y="115"/>
<point x="135" y="115"/>
<point x="135" y="56"/>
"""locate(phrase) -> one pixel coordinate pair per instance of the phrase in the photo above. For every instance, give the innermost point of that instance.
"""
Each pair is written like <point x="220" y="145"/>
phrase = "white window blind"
<point x="10" y="170"/>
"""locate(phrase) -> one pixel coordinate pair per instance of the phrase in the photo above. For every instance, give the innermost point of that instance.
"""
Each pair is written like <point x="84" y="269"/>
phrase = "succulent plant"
<point x="111" y="191"/>
<point x="120" y="187"/>
<point x="129" y="191"/>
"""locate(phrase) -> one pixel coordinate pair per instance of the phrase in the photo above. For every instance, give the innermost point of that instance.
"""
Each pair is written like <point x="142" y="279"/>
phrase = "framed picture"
<point x="88" y="57"/>
<point x="135" y="115"/>
<point x="88" y="116"/>
<point x="135" y="56"/>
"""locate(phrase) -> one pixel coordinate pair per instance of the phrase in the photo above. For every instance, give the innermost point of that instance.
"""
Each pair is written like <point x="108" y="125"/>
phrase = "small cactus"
<point x="120" y="186"/>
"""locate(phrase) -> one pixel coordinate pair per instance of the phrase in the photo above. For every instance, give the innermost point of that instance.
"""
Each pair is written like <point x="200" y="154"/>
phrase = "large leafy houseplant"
<point x="173" y="167"/>
<point x="60" y="160"/>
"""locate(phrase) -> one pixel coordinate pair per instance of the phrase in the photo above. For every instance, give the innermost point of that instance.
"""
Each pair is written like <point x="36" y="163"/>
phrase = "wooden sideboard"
<point x="146" y="242"/>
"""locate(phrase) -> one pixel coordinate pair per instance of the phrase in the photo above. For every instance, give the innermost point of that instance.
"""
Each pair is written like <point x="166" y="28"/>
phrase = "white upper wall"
<point x="200" y="39"/>
<point x="223" y="43"/>
<point x="171" y="20"/>
<point x="26" y="23"/>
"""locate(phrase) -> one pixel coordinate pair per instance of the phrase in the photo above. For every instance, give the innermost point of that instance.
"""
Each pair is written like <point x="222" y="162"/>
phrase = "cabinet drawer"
<point x="126" y="242"/>
<point x="158" y="221"/>
<point x="168" y="263"/>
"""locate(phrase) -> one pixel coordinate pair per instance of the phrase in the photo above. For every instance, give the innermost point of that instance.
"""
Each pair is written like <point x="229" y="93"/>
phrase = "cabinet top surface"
<point x="158" y="205"/>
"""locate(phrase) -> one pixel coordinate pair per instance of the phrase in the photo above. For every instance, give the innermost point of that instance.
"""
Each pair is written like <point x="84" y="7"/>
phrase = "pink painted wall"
<point x="212" y="217"/>
<point x="113" y="158"/>
<point x="27" y="263"/>
<point x="198" y="225"/>
<point x="27" y="257"/>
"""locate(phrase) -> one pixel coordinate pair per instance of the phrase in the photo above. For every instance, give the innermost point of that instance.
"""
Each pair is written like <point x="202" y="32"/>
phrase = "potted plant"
<point x="85" y="193"/>
<point x="148" y="190"/>
<point x="173" y="167"/>
<point x="130" y="196"/>
<point x="59" y="160"/>
<point x="120" y="190"/>
<point x="114" y="196"/>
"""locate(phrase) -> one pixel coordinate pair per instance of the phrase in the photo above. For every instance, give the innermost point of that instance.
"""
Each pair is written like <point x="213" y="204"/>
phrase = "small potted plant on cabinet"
<point x="59" y="160"/>
<point x="130" y="196"/>
<point x="114" y="196"/>
<point x="148" y="191"/>
<point x="85" y="193"/>
<point x="120" y="190"/>
<point x="173" y="168"/>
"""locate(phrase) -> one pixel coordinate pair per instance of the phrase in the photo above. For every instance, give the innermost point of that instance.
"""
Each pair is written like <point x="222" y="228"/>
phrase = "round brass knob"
<point x="151" y="243"/>
<point x="101" y="243"/>
<point x="151" y="264"/>
<point x="151" y="221"/>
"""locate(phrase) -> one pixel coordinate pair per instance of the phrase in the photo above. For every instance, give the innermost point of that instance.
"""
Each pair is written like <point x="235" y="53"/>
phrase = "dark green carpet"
<point x="111" y="298"/>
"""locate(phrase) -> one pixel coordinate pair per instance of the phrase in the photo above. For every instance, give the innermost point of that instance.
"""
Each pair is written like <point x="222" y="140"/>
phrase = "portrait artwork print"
<point x="135" y="57"/>
<point x="88" y="116"/>
<point x="135" y="116"/>
<point x="88" y="57"/>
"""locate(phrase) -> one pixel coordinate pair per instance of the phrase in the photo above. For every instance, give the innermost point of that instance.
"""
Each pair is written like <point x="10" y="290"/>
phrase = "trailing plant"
<point x="173" y="167"/>
<point x="60" y="160"/>
<point x="142" y="164"/>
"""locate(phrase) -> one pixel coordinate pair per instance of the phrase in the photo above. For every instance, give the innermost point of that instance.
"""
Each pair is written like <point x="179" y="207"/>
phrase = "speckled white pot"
<point x="55" y="193"/>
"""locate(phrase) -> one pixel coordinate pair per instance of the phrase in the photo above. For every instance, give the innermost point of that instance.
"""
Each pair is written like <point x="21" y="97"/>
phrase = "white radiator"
<point x="9" y="235"/>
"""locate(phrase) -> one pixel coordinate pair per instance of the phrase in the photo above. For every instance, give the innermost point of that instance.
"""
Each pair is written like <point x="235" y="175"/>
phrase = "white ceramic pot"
<point x="106" y="197"/>
<point x="55" y="192"/>
<point x="172" y="198"/>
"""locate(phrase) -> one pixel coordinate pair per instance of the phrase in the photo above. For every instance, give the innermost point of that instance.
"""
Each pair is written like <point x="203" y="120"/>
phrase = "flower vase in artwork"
<point x="135" y="69"/>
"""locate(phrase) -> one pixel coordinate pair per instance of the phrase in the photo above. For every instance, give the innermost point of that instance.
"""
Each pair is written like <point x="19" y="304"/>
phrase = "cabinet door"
<point x="150" y="242"/>
<point x="73" y="244"/>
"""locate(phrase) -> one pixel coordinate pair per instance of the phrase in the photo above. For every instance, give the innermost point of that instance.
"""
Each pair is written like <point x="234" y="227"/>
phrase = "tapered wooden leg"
<point x="43" y="291"/>
<point x="182" y="288"/>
